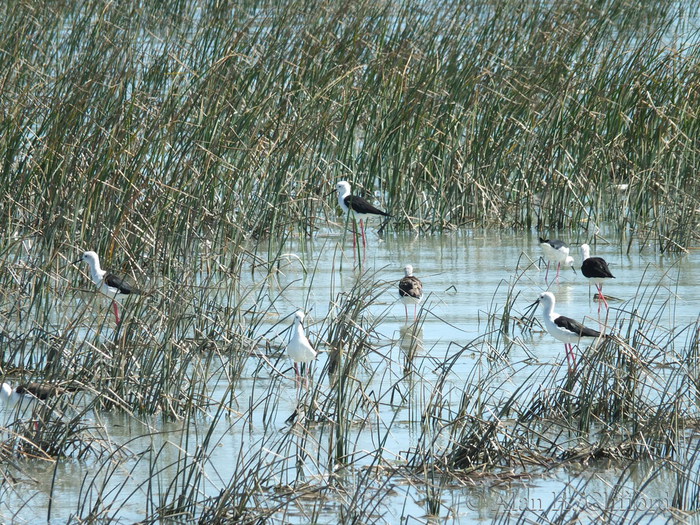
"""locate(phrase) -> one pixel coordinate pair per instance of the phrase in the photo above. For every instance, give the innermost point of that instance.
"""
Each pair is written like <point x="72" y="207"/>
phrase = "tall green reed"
<point x="147" y="129"/>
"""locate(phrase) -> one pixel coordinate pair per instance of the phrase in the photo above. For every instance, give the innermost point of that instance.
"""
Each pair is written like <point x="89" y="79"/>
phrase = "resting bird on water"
<point x="410" y="290"/>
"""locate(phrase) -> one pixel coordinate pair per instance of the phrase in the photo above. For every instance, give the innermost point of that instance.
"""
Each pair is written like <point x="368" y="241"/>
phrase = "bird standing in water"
<point x="556" y="251"/>
<point x="563" y="328"/>
<point x="358" y="208"/>
<point x="109" y="284"/>
<point x="596" y="270"/>
<point x="299" y="348"/>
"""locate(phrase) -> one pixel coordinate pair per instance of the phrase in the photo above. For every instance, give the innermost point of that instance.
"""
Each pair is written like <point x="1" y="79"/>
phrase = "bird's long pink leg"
<point x="571" y="353"/>
<point x="600" y="293"/>
<point x="601" y="297"/>
<point x="354" y="234"/>
<point x="405" y="307"/>
<point x="364" y="239"/>
<point x="558" y="268"/>
<point x="116" y="311"/>
<point x="546" y="273"/>
<point x="570" y="358"/>
<point x="297" y="375"/>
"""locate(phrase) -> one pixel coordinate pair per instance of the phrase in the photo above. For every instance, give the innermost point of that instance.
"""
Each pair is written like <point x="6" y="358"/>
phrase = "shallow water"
<point x="467" y="277"/>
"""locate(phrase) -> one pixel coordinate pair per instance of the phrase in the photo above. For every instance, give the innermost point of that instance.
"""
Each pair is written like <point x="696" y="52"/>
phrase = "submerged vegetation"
<point x="192" y="144"/>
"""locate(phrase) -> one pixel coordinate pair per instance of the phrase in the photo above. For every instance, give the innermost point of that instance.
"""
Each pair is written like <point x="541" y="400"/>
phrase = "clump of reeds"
<point x="154" y="137"/>
<point x="51" y="429"/>
<point x="622" y="402"/>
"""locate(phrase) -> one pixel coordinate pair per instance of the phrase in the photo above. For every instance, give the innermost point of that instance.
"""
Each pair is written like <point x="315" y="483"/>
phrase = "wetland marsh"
<point x="196" y="145"/>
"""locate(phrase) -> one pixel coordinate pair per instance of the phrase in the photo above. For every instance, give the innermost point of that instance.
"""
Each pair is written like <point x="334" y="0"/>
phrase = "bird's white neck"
<point x="343" y="191"/>
<point x="547" y="308"/>
<point x="586" y="252"/>
<point x="298" y="327"/>
<point x="97" y="273"/>
<point x="6" y="392"/>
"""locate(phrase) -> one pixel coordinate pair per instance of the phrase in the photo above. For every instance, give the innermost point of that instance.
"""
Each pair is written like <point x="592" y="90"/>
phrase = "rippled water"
<point x="466" y="276"/>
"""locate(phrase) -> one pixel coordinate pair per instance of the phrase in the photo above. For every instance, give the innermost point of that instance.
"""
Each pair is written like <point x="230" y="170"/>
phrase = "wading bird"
<point x="555" y="251"/>
<point x="596" y="270"/>
<point x="299" y="348"/>
<point x="359" y="209"/>
<point x="109" y="284"/>
<point x="42" y="391"/>
<point x="563" y="328"/>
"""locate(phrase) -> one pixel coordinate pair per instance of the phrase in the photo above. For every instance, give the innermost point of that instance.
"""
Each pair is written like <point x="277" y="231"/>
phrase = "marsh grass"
<point x="626" y="401"/>
<point x="51" y="430"/>
<point x="630" y="399"/>
<point x="190" y="143"/>
<point x="152" y="130"/>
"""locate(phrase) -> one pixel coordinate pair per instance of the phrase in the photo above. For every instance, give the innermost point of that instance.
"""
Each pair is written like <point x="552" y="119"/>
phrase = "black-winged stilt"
<point x="42" y="391"/>
<point x="358" y="207"/>
<point x="299" y="348"/>
<point x="109" y="284"/>
<point x="8" y="395"/>
<point x="565" y="329"/>
<point x="596" y="270"/>
<point x="556" y="251"/>
<point x="410" y="290"/>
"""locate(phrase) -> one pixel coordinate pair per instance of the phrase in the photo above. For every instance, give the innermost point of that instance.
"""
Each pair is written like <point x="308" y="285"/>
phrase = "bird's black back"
<point x="120" y="284"/>
<point x="575" y="327"/>
<point x="554" y="243"/>
<point x="596" y="267"/>
<point x="411" y="287"/>
<point x="38" y="390"/>
<point x="360" y="205"/>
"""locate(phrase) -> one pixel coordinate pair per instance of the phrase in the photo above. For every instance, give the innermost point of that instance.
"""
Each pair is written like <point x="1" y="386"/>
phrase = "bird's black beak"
<point x="77" y="260"/>
<point x="529" y="314"/>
